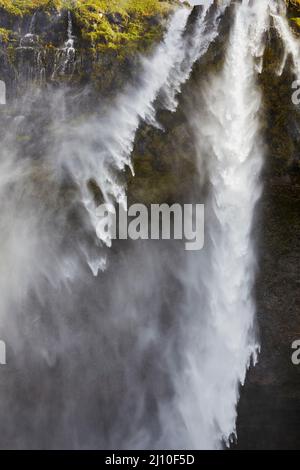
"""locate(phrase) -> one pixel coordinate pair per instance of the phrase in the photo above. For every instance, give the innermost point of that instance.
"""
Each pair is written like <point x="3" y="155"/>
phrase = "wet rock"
<point x="115" y="18"/>
<point x="29" y="40"/>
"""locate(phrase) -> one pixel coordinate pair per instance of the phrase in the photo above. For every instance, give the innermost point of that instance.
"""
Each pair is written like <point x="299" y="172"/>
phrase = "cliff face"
<point x="92" y="49"/>
<point x="94" y="45"/>
<point x="78" y="41"/>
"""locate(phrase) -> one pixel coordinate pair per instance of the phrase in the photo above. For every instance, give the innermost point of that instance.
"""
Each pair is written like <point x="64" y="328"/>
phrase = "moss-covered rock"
<point x="37" y="39"/>
<point x="118" y="24"/>
<point x="107" y="37"/>
<point x="112" y="23"/>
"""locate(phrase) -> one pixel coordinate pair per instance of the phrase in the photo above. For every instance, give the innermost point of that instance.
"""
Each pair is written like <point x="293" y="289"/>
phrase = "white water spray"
<point x="69" y="45"/>
<point x="30" y="38"/>
<point x="101" y="146"/>
<point x="290" y="42"/>
<point x="222" y="341"/>
<point x="166" y="70"/>
<point x="192" y="48"/>
<point x="65" y="57"/>
<point x="77" y="327"/>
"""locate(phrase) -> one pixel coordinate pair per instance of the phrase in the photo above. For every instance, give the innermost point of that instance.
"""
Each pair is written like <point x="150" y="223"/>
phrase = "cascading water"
<point x="32" y="68"/>
<point x="119" y="126"/>
<point x="180" y="389"/>
<point x="193" y="47"/>
<point x="223" y="342"/>
<point x="69" y="45"/>
<point x="65" y="57"/>
<point x="29" y="39"/>
<point x="290" y="43"/>
<point x="166" y="71"/>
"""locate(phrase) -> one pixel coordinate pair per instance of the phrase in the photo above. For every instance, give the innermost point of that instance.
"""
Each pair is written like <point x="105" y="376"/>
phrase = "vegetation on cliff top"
<point x="119" y="22"/>
<point x="102" y="23"/>
<point x="147" y="7"/>
<point x="21" y="7"/>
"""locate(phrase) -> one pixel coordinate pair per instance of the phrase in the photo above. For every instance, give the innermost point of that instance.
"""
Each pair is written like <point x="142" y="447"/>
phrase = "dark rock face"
<point x="269" y="409"/>
<point x="115" y="18"/>
<point x="38" y="50"/>
<point x="51" y="27"/>
<point x="281" y="116"/>
<point x="196" y="11"/>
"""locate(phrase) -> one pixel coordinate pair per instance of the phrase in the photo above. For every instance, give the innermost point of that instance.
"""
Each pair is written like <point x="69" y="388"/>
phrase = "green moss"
<point x="5" y="35"/>
<point x="21" y="7"/>
<point x="143" y="7"/>
<point x="118" y="23"/>
<point x="114" y="24"/>
<point x="296" y="21"/>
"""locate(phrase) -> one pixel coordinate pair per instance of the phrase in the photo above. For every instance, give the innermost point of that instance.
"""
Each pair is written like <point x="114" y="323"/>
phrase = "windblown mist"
<point x="141" y="344"/>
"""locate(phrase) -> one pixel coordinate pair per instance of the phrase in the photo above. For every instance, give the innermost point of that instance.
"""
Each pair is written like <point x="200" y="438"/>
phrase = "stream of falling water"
<point x="136" y="104"/>
<point x="65" y="57"/>
<point x="104" y="332"/>
<point x="193" y="47"/>
<point x="223" y="344"/>
<point x="290" y="43"/>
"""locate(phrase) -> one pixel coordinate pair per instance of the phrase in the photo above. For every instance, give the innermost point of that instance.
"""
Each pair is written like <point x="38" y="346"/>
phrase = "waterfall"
<point x="151" y="350"/>
<point x="290" y="42"/>
<point x="30" y="38"/>
<point x="103" y="146"/>
<point x="32" y="24"/>
<point x="69" y="45"/>
<point x="193" y="47"/>
<point x="69" y="50"/>
<point x="221" y="309"/>
<point x="32" y="63"/>
<point x="164" y="72"/>
<point x="65" y="57"/>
